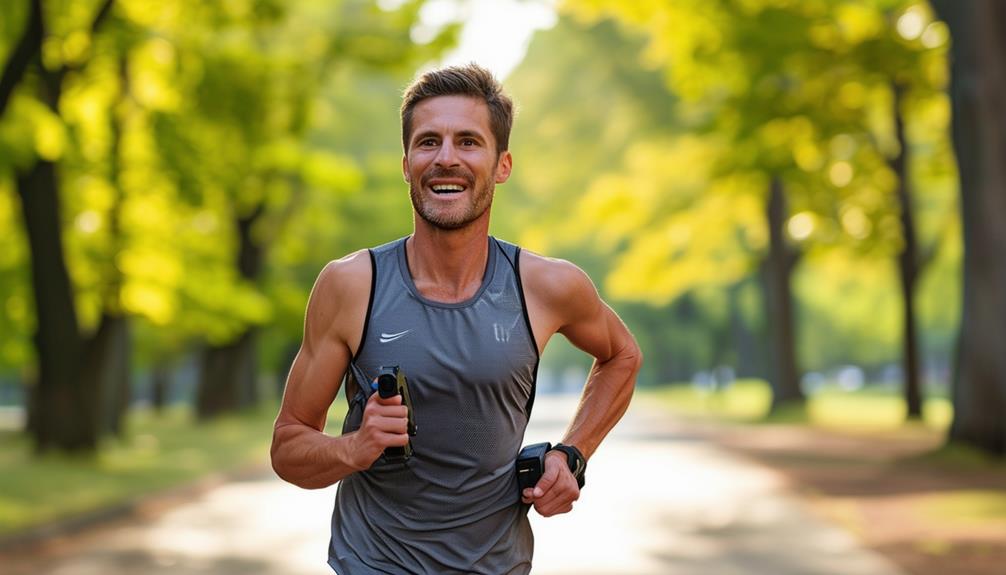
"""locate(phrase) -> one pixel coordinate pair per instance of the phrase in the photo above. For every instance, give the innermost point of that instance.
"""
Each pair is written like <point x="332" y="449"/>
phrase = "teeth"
<point x="447" y="188"/>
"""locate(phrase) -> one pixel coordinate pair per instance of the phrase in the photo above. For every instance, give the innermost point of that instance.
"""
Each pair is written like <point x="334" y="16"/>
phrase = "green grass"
<point x="159" y="452"/>
<point x="748" y="401"/>
<point x="981" y="507"/>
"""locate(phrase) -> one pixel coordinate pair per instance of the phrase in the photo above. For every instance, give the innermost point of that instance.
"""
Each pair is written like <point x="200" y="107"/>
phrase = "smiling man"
<point x="465" y="316"/>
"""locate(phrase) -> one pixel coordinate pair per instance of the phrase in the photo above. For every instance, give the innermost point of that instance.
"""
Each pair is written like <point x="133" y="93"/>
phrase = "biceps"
<point x="600" y="333"/>
<point x="313" y="384"/>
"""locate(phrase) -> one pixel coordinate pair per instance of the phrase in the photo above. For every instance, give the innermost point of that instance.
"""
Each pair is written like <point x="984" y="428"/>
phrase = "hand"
<point x="385" y="424"/>
<point x="556" y="491"/>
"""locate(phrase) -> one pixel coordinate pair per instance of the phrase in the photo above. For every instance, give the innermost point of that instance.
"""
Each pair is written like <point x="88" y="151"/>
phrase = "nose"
<point x="447" y="156"/>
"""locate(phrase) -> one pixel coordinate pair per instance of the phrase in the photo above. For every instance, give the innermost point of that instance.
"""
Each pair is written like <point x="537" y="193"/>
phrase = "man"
<point x="465" y="316"/>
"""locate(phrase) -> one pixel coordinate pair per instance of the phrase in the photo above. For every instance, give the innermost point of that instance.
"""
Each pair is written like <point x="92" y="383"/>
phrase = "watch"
<point x="575" y="460"/>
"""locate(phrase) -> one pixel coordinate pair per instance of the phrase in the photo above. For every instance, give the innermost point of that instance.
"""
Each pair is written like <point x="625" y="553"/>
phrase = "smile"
<point x="447" y="188"/>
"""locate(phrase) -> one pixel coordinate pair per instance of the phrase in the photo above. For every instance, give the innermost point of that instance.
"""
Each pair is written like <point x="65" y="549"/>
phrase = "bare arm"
<point x="562" y="299"/>
<point x="301" y="452"/>
<point x="569" y="304"/>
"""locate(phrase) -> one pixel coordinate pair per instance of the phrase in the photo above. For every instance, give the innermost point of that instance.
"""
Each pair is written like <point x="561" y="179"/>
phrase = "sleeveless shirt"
<point x="454" y="506"/>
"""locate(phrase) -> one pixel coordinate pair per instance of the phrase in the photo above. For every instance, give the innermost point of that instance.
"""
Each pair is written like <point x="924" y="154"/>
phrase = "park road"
<point x="657" y="501"/>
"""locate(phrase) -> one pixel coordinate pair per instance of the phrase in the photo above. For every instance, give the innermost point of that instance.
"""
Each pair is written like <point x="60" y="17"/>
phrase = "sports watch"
<point x="575" y="460"/>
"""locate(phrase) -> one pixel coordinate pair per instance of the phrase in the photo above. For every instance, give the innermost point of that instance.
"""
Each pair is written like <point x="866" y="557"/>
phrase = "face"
<point x="452" y="166"/>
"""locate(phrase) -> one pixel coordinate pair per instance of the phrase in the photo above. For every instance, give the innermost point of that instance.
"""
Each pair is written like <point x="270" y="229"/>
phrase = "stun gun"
<point x="531" y="465"/>
<point x="391" y="381"/>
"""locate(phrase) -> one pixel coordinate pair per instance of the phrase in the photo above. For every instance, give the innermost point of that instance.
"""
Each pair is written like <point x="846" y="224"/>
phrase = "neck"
<point x="448" y="265"/>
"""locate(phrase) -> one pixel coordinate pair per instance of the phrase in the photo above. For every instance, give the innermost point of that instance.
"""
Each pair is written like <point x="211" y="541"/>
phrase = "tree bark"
<point x="62" y="409"/>
<point x="978" y="92"/>
<point x="105" y="372"/>
<point x="779" y="303"/>
<point x="27" y="49"/>
<point x="111" y="342"/>
<point x="228" y="378"/>
<point x="908" y="267"/>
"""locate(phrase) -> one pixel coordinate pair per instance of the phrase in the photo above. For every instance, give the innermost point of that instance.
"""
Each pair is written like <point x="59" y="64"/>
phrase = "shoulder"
<point x="557" y="284"/>
<point x="341" y="293"/>
<point x="343" y="277"/>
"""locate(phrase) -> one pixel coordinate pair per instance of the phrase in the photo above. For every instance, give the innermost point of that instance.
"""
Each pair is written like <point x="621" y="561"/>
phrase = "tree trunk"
<point x="978" y="90"/>
<point x="779" y="303"/>
<point x="111" y="342"/>
<point x="228" y="378"/>
<point x="106" y="372"/>
<point x="62" y="409"/>
<point x="908" y="267"/>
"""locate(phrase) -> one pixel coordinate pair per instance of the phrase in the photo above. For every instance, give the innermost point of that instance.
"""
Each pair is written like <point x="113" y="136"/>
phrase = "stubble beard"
<point x="480" y="199"/>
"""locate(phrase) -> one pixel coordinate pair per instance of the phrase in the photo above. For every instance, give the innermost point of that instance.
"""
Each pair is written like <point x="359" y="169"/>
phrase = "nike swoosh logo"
<point x="386" y="337"/>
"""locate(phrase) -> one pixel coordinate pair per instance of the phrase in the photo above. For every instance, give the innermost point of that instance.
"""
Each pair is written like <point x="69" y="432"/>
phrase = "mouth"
<point x="445" y="189"/>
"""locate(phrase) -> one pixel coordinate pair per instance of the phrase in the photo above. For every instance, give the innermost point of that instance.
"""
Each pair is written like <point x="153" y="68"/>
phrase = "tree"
<point x="156" y="198"/>
<point x="790" y="96"/>
<point x="978" y="88"/>
<point x="63" y="407"/>
<point x="266" y="176"/>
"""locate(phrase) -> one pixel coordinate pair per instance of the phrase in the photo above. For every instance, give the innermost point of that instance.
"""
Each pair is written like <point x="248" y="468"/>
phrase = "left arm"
<point x="561" y="298"/>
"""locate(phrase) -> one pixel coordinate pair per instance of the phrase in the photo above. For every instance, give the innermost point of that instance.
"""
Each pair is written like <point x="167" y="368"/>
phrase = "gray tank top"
<point x="454" y="506"/>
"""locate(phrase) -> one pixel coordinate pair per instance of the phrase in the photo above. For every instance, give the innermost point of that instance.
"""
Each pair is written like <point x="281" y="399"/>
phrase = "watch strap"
<point x="576" y="461"/>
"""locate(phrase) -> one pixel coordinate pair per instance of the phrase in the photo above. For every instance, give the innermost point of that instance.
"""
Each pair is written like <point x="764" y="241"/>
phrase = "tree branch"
<point x="26" y="49"/>
<point x="99" y="18"/>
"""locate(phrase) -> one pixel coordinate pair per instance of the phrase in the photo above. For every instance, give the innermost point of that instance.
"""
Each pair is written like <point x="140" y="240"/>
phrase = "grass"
<point x="966" y="507"/>
<point x="747" y="401"/>
<point x="158" y="453"/>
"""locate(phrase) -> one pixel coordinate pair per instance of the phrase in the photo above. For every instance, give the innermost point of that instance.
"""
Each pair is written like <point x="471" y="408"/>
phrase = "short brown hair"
<point x="468" y="80"/>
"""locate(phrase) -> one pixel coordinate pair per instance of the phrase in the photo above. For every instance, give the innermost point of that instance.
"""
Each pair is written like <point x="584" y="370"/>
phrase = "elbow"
<point x="637" y="359"/>
<point x="635" y="363"/>
<point x="292" y="461"/>
<point x="281" y="464"/>
<point x="288" y="473"/>
<point x="279" y="467"/>
<point x="633" y="357"/>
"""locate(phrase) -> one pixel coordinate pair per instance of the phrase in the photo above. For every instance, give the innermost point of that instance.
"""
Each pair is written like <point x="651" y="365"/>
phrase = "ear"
<point x="503" y="166"/>
<point x="405" y="167"/>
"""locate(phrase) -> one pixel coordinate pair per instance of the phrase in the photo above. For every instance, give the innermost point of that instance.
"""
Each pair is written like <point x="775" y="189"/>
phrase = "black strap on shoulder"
<point x="527" y="322"/>
<point x="370" y="303"/>
<point x="350" y="384"/>
<point x="530" y="333"/>
<point x="523" y="301"/>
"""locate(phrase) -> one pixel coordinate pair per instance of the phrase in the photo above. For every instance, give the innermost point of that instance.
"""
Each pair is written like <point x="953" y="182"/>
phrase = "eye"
<point x="426" y="142"/>
<point x="469" y="142"/>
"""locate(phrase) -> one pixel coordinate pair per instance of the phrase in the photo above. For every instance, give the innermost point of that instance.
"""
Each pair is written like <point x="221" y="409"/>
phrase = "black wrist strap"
<point x="576" y="461"/>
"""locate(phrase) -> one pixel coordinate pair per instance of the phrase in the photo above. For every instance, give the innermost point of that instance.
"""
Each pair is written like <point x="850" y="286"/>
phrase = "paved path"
<point x="657" y="502"/>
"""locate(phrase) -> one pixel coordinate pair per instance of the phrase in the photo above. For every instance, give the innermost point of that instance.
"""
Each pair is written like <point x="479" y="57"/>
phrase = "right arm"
<point x="301" y="452"/>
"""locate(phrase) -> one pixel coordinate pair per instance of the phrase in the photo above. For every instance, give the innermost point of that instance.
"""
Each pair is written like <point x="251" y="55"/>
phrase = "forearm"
<point x="605" y="398"/>
<point x="309" y="458"/>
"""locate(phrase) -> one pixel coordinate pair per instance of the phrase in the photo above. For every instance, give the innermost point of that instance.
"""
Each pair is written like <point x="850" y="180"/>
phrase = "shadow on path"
<point x="658" y="500"/>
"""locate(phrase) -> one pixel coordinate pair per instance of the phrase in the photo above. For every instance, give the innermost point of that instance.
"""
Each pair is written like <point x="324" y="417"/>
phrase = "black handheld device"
<point x="391" y="381"/>
<point x="531" y="464"/>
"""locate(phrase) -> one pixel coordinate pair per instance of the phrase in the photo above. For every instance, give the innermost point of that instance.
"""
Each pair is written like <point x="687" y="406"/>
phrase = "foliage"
<point x="177" y="121"/>
<point x="745" y="90"/>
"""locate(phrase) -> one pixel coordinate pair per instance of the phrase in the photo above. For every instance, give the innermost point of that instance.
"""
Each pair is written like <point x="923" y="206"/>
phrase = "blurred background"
<point x="767" y="192"/>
